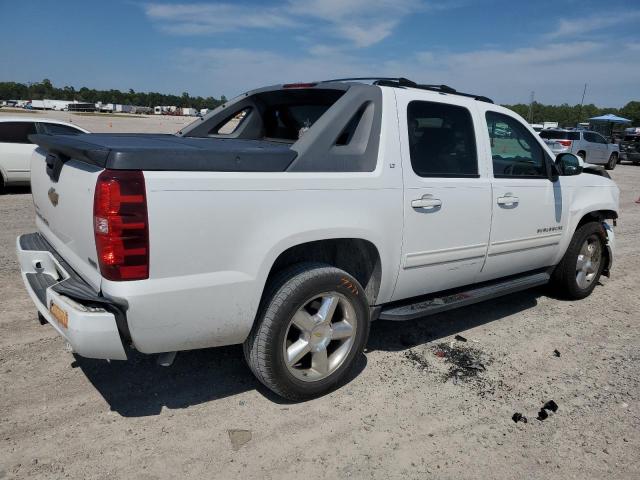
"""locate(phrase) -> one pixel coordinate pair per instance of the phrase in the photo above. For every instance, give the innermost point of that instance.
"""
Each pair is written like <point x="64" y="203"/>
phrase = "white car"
<point x="327" y="206"/>
<point x="590" y="146"/>
<point x="16" y="148"/>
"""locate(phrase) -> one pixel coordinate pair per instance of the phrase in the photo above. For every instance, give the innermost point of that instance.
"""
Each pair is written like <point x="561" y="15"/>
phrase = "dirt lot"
<point x="402" y="416"/>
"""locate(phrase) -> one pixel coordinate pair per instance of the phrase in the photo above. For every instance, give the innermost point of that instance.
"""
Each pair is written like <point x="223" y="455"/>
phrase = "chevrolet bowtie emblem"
<point x="53" y="196"/>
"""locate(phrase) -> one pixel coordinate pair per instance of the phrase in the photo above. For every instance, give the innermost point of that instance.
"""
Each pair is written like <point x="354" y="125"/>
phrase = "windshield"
<point x="560" y="135"/>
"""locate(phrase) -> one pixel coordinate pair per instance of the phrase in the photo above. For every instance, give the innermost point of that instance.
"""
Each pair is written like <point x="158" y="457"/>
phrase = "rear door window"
<point x="16" y="132"/>
<point x="590" y="137"/>
<point x="442" y="140"/>
<point x="600" y="139"/>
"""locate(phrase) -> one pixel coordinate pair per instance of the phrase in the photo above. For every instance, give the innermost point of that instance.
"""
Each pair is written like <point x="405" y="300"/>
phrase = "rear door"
<point x="16" y="149"/>
<point x="603" y="144"/>
<point x="596" y="150"/>
<point x="528" y="217"/>
<point x="447" y="195"/>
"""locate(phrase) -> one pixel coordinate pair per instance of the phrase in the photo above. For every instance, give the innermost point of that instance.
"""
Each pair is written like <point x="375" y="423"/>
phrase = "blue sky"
<point x="501" y="49"/>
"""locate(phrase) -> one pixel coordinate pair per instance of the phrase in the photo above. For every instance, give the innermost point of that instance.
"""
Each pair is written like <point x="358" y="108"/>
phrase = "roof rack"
<point x="401" y="82"/>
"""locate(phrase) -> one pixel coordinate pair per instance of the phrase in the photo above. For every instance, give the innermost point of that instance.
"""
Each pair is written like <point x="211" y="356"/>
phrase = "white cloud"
<point x="571" y="27"/>
<point x="556" y="72"/>
<point x="199" y="18"/>
<point x="555" y="65"/>
<point x="362" y="22"/>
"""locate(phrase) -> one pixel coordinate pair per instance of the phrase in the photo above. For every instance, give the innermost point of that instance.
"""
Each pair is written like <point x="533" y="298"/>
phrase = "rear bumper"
<point x="91" y="320"/>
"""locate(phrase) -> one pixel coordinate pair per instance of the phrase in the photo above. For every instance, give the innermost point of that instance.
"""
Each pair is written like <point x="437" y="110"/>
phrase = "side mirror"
<point x="569" y="164"/>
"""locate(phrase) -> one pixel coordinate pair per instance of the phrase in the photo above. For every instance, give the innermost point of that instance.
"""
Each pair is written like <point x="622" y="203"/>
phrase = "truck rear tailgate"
<point x="63" y="200"/>
<point x="65" y="169"/>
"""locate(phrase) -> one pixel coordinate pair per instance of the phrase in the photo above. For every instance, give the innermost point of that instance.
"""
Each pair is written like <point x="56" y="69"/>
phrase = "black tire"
<point x="563" y="280"/>
<point x="284" y="296"/>
<point x="2" y="185"/>
<point x="613" y="161"/>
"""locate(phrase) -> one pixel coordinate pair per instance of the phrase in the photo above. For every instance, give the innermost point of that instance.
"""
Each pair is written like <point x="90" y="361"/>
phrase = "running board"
<point x="461" y="299"/>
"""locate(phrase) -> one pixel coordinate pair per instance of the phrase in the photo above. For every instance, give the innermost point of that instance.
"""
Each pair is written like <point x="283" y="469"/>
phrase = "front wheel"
<point x="312" y="326"/>
<point x="577" y="274"/>
<point x="613" y="161"/>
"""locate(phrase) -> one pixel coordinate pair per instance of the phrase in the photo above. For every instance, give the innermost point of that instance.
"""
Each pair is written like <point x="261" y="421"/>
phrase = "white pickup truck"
<point x="292" y="216"/>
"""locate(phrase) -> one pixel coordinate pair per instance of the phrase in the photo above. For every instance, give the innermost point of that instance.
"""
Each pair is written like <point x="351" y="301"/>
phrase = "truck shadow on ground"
<point x="15" y="190"/>
<point x="139" y="387"/>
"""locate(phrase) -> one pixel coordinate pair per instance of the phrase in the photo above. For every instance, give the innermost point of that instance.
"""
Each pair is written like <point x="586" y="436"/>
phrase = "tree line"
<point x="570" y="115"/>
<point x="565" y="114"/>
<point x="45" y="89"/>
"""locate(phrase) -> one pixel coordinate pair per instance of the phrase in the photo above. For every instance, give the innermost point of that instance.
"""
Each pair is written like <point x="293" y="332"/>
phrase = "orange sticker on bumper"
<point x="59" y="314"/>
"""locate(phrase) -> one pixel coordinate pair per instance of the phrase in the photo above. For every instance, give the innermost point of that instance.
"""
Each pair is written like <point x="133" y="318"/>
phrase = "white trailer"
<point x="124" y="108"/>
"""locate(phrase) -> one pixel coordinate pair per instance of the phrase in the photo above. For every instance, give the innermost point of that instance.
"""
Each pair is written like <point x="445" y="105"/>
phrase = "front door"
<point x="528" y="216"/>
<point x="447" y="197"/>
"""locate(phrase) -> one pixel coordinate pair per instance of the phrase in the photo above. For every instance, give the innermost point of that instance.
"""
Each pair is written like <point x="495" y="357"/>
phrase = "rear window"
<point x="16" y="132"/>
<point x="282" y="115"/>
<point x="559" y="135"/>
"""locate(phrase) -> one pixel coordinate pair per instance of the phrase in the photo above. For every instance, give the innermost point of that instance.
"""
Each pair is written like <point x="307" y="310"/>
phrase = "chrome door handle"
<point x="426" y="201"/>
<point x="508" y="199"/>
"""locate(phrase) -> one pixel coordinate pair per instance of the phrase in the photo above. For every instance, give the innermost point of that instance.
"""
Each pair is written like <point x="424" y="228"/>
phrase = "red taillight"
<point x="121" y="226"/>
<point x="564" y="143"/>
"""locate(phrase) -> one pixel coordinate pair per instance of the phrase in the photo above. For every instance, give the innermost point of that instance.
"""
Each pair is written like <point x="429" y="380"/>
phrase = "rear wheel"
<point x="577" y="274"/>
<point x="312" y="326"/>
<point x="613" y="161"/>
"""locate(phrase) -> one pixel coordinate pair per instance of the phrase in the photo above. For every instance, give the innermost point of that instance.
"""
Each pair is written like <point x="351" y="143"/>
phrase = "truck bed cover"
<point x="169" y="152"/>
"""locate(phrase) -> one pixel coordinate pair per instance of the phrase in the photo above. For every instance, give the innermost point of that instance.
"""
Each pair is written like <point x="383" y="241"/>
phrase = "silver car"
<point x="591" y="146"/>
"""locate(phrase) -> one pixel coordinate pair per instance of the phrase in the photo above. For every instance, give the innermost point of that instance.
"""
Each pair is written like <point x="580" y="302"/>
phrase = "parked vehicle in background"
<point x="16" y="148"/>
<point x="590" y="146"/>
<point x="538" y="127"/>
<point x="326" y="206"/>
<point x="630" y="148"/>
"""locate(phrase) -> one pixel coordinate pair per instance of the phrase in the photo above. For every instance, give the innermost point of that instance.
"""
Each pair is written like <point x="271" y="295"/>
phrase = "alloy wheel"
<point x="320" y="336"/>
<point x="588" y="263"/>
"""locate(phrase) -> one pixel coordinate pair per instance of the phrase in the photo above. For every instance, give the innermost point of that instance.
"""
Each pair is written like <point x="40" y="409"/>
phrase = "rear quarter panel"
<point x="214" y="237"/>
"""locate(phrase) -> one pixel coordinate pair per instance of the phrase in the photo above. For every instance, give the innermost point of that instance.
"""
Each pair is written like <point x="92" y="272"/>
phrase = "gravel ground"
<point x="108" y="123"/>
<point x="402" y="415"/>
